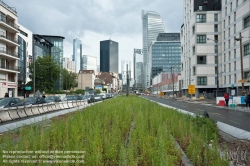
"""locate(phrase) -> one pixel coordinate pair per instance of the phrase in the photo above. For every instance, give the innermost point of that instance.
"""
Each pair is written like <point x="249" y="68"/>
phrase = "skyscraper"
<point x="89" y="63"/>
<point x="77" y="54"/>
<point x="124" y="70"/>
<point x="109" y="56"/>
<point x="152" y="25"/>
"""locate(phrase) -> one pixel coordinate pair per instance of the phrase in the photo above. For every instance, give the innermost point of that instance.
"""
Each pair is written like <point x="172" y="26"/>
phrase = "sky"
<point x="92" y="21"/>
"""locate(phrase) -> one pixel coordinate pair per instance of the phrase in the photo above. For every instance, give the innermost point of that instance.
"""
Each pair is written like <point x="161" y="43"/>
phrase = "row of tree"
<point x="46" y="72"/>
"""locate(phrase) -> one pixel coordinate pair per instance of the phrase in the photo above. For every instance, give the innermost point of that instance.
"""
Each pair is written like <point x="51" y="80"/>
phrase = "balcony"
<point x="8" y="53"/>
<point x="8" y="67"/>
<point x="9" y="25"/>
<point x="8" y="39"/>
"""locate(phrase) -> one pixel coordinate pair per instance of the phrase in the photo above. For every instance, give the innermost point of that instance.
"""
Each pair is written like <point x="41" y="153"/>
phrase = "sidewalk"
<point x="212" y="103"/>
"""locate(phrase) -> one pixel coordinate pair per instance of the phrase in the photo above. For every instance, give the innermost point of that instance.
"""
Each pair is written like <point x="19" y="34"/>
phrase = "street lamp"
<point x="217" y="64"/>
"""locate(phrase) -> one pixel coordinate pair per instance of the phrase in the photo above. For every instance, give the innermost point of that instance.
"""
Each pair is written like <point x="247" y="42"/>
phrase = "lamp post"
<point x="217" y="64"/>
<point x="241" y="62"/>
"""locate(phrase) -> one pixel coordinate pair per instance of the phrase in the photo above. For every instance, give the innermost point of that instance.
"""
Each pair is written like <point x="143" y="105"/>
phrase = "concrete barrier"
<point x="13" y="113"/>
<point x="65" y="105"/>
<point x="28" y="110"/>
<point x="70" y="104"/>
<point x="35" y="110"/>
<point x="61" y="105"/>
<point x="57" y="106"/>
<point x="50" y="107"/>
<point x="40" y="108"/>
<point x="21" y="112"/>
<point x="75" y="103"/>
<point x="45" y="107"/>
<point x="4" y="115"/>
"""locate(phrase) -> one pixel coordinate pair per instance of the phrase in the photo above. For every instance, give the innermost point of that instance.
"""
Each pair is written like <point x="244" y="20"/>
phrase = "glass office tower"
<point x="89" y="63"/>
<point x="77" y="54"/>
<point x="152" y="25"/>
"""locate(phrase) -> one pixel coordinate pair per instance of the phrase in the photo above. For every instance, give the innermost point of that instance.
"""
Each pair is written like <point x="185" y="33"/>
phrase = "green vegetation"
<point x="124" y="131"/>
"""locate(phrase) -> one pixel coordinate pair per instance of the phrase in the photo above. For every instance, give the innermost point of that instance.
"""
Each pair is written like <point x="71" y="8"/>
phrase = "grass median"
<point x="121" y="131"/>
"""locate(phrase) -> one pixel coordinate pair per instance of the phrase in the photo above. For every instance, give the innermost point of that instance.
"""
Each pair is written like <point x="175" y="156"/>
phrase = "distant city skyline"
<point x="94" y="21"/>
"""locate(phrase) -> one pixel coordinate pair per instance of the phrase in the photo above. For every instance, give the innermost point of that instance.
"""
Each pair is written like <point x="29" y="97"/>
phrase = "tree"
<point x="98" y="91"/>
<point x="47" y="72"/>
<point x="69" y="79"/>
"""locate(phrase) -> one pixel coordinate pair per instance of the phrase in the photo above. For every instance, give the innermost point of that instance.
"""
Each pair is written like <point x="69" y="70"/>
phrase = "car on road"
<point x="70" y="98"/>
<point x="34" y="100"/>
<point x="10" y="102"/>
<point x="98" y="98"/>
<point x="52" y="99"/>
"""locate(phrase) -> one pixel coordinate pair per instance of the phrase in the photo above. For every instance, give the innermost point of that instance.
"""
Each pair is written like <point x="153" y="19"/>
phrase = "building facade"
<point x="57" y="55"/>
<point x="165" y="54"/>
<point x="25" y="55"/>
<point x="89" y="62"/>
<point x="86" y="79"/>
<point x="77" y="54"/>
<point x="109" y="56"/>
<point x="68" y="64"/>
<point x="211" y="57"/>
<point x="152" y="25"/>
<point x="8" y="50"/>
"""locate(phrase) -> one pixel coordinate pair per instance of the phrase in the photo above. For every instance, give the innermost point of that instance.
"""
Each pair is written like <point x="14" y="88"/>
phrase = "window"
<point x="201" y="39"/>
<point x="225" y="81"/>
<point x="237" y="1"/>
<point x="224" y="68"/>
<point x="194" y="71"/>
<point x="235" y="79"/>
<point x="229" y="55"/>
<point x="234" y="16"/>
<point x="246" y="49"/>
<point x="229" y="79"/>
<point x="224" y="46"/>
<point x="215" y="17"/>
<point x="234" y="42"/>
<point x="229" y="67"/>
<point x="225" y="2"/>
<point x="215" y="70"/>
<point x="225" y="11"/>
<point x="229" y="45"/>
<point x="202" y="80"/>
<point x="234" y="65"/>
<point x="201" y="60"/>
<point x="216" y="59"/>
<point x="193" y="50"/>
<point x="215" y="27"/>
<point x="215" y="0"/>
<point x="193" y="30"/>
<point x="229" y="20"/>
<point x="216" y="48"/>
<point x="228" y="32"/>
<point x="234" y="53"/>
<point x="201" y="18"/>
<point x="216" y="37"/>
<point x="247" y="22"/>
<point x="224" y="23"/>
<point x="231" y="7"/>
<point x="234" y="28"/>
<point x="224" y="57"/>
<point x="224" y="35"/>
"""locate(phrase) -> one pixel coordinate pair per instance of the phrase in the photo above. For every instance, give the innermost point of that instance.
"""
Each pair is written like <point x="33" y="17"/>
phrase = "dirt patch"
<point x="235" y="150"/>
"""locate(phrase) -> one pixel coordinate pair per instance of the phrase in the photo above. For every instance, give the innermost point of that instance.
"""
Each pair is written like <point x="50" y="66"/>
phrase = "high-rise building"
<point x="165" y="53"/>
<point x="210" y="42"/>
<point x="25" y="55"/>
<point x="77" y="54"/>
<point x="138" y="75"/>
<point x="68" y="64"/>
<point x="89" y="63"/>
<point x="109" y="56"/>
<point x="8" y="50"/>
<point x="152" y="25"/>
<point x="124" y="64"/>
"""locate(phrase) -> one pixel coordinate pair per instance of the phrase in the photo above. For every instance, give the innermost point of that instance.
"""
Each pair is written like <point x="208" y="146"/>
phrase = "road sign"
<point x="161" y="93"/>
<point x="28" y="88"/>
<point x="191" y="89"/>
<point x="242" y="81"/>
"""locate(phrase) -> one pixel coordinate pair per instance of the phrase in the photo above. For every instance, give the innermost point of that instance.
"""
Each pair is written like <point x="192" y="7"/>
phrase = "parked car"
<point x="98" y="98"/>
<point x="10" y="102"/>
<point x="34" y="100"/>
<point x="108" y="95"/>
<point x="70" y="98"/>
<point x="51" y="99"/>
<point x="104" y="96"/>
<point x="90" y="98"/>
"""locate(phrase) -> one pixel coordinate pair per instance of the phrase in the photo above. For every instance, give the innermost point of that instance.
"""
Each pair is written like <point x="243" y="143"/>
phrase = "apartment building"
<point x="8" y="50"/>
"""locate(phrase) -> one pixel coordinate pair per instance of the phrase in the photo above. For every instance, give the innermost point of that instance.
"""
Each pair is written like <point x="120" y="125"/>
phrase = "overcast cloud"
<point x="92" y="21"/>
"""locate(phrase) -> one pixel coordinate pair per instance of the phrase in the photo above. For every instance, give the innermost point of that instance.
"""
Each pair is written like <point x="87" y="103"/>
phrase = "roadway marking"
<point x="234" y="122"/>
<point x="216" y="114"/>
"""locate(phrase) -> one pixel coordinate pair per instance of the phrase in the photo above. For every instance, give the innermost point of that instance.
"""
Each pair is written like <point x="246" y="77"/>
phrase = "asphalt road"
<point x="231" y="117"/>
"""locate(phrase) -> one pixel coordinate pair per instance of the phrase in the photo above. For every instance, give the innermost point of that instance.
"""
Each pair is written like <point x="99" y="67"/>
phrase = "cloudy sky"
<point x="92" y="21"/>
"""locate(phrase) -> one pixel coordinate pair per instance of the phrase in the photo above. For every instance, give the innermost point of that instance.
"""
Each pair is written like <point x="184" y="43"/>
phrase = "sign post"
<point x="191" y="89"/>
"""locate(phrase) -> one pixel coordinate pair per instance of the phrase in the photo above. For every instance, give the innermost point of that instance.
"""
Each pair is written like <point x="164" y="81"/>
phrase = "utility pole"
<point x="172" y="78"/>
<point x="127" y="82"/>
<point x="241" y="62"/>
